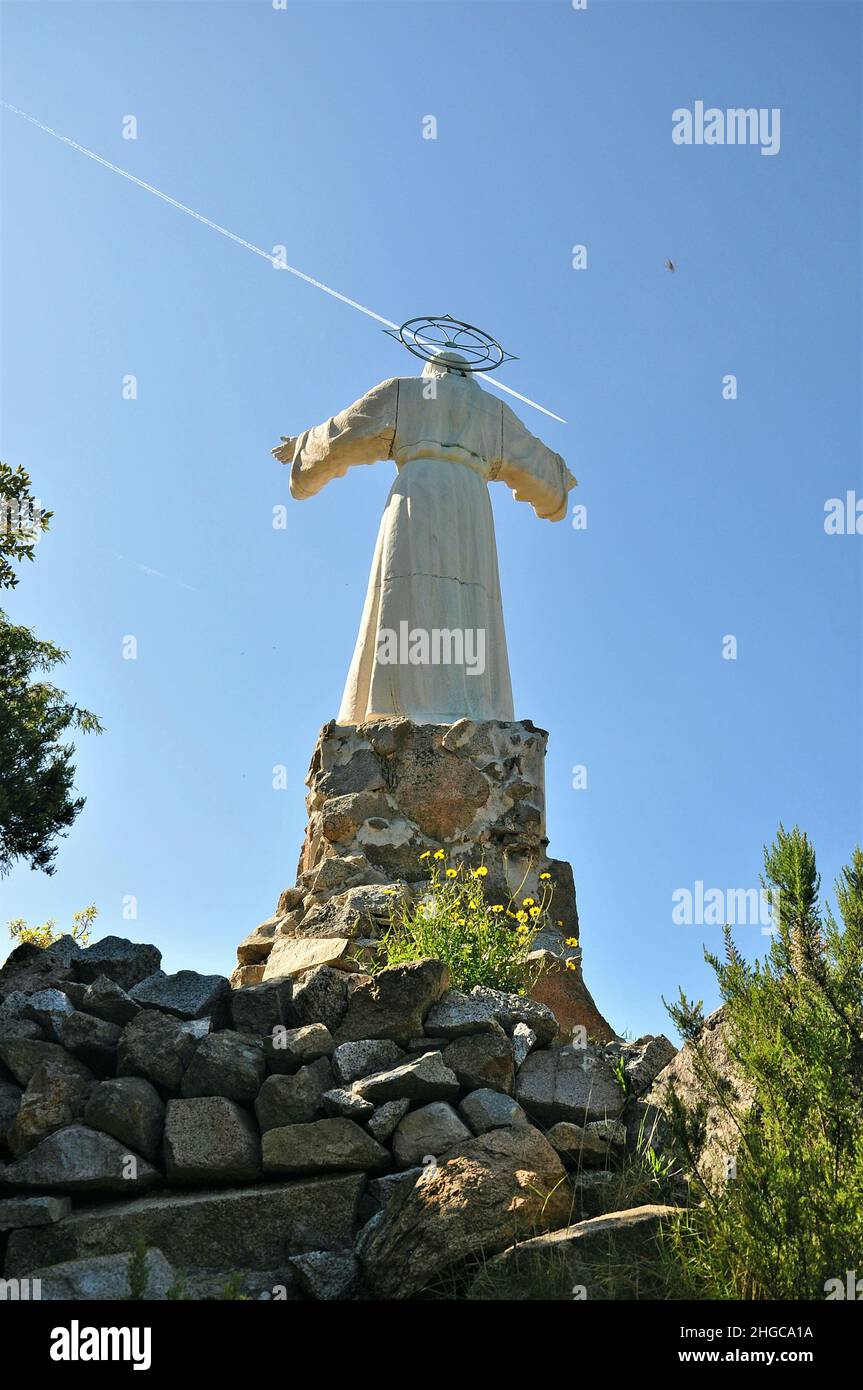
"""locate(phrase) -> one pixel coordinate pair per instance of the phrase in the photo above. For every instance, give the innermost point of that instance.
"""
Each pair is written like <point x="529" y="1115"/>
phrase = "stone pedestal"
<point x="384" y="792"/>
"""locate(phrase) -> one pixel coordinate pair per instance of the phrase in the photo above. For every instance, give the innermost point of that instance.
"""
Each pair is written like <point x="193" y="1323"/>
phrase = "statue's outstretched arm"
<point x="363" y="433"/>
<point x="534" y="472"/>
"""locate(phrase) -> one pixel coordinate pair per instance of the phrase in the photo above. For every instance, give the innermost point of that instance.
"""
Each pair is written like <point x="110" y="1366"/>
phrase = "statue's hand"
<point x="285" y="451"/>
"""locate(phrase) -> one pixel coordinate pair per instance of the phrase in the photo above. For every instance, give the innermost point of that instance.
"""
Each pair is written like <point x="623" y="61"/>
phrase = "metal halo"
<point x="430" y="334"/>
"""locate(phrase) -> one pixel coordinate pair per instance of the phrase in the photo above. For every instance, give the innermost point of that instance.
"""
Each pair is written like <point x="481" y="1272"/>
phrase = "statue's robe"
<point x="435" y="562"/>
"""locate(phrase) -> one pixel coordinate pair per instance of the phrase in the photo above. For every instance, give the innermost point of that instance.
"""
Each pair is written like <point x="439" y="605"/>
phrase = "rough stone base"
<point x="383" y="793"/>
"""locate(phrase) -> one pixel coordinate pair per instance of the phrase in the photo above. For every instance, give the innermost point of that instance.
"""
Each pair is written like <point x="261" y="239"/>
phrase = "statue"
<point x="431" y="643"/>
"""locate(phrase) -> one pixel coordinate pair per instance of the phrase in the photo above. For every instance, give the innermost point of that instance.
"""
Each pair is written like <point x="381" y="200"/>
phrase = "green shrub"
<point x="791" y="1218"/>
<point x="47" y="933"/>
<point x="482" y="943"/>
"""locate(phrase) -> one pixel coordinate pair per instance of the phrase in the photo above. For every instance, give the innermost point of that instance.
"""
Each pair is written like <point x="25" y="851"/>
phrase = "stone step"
<point x="235" y="1228"/>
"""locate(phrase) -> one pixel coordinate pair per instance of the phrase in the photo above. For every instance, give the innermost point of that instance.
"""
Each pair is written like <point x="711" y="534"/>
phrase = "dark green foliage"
<point x="792" y="1216"/>
<point x="137" y="1272"/>
<point x="37" y="800"/>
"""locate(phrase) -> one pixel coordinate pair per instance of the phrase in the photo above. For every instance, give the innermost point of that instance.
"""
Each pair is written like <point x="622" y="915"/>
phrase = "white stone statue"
<point x="431" y="644"/>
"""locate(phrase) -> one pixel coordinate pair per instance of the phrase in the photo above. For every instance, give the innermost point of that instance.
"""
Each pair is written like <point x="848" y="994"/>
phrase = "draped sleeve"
<point x="534" y="472"/>
<point x="364" y="433"/>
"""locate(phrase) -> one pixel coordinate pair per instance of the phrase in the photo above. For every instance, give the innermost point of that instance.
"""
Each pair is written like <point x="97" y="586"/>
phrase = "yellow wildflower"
<point x="534" y="912"/>
<point x="527" y="902"/>
<point x="480" y="872"/>
<point x="426" y="854"/>
<point x="545" y="875"/>
<point x="521" y="916"/>
<point x="572" y="941"/>
<point x="452" y="873"/>
<point x="439" y="854"/>
<point x="570" y="965"/>
<point x="498" y="907"/>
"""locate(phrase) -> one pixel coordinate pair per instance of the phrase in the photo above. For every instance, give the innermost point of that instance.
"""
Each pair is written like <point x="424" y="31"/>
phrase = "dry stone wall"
<point x="321" y="1134"/>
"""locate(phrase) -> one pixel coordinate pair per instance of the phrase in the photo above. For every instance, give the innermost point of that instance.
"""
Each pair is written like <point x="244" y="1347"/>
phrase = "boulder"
<point x="291" y="955"/>
<point x="48" y="1007"/>
<point x="357" y="913"/>
<point x="505" y="1185"/>
<point x="424" y="1079"/>
<point x="14" y="1015"/>
<point x="109" y="1001"/>
<point x="523" y="1042"/>
<point x="80" y="1160"/>
<point x="347" y="1104"/>
<point x="30" y="968"/>
<point x="260" y="1008"/>
<point x="186" y="994"/>
<point x="457" y="1014"/>
<point x="484" y="1110"/>
<point x="124" y="962"/>
<point x="336" y="874"/>
<point x="244" y="975"/>
<point x="55" y="1097"/>
<point x="383" y="1190"/>
<point x="383" y="1122"/>
<point x="426" y="1132"/>
<point x="643" y="1060"/>
<point x="10" y="1100"/>
<point x="320" y="996"/>
<point x="130" y="1109"/>
<point x="354" y="1060"/>
<point x="156" y="1047"/>
<point x="22" y="1056"/>
<point x="103" y="1278"/>
<point x="14" y="1028"/>
<point x="588" y="1146"/>
<point x="568" y="1083"/>
<point x="16" y="1212"/>
<point x="287" y="1049"/>
<point x="226" y="1064"/>
<point x="327" y="1275"/>
<point x="290" y="900"/>
<point x="511" y="1009"/>
<point x="92" y="1040"/>
<point x="482" y="1061"/>
<point x="326" y="1146"/>
<point x="229" y="1229"/>
<point x="393" y="1004"/>
<point x="294" y="1099"/>
<point x="208" y="1139"/>
<point x="254" y="948"/>
<point x="720" y="1131"/>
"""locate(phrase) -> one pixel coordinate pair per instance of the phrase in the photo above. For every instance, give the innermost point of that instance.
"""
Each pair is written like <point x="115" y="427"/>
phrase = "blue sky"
<point x="303" y="128"/>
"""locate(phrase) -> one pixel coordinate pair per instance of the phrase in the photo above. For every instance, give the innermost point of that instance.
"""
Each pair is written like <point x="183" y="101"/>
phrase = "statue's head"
<point x="444" y="362"/>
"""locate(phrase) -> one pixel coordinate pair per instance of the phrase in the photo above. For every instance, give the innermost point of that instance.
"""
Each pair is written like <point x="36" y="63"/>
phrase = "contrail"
<point x="241" y="241"/>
